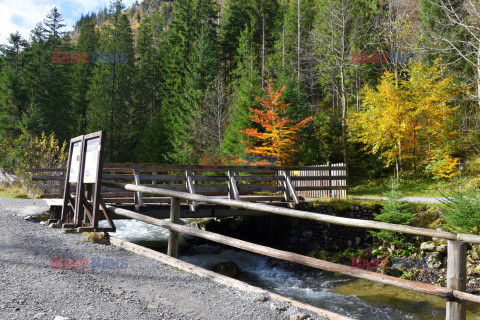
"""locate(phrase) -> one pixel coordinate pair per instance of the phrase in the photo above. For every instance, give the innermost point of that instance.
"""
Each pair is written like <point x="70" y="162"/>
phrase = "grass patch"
<point x="344" y="204"/>
<point x="97" y="237"/>
<point x="18" y="191"/>
<point x="423" y="187"/>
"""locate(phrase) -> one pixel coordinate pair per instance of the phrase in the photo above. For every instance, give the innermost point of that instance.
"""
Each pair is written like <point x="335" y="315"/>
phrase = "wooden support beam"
<point x="173" y="235"/>
<point x="289" y="187"/>
<point x="232" y="186"/>
<point x="456" y="278"/>
<point x="282" y="184"/>
<point x="191" y="189"/>
<point x="138" y="197"/>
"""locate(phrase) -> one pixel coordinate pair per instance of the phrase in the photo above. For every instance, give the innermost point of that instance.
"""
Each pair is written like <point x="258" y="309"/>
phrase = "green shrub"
<point x="461" y="211"/>
<point x="397" y="212"/>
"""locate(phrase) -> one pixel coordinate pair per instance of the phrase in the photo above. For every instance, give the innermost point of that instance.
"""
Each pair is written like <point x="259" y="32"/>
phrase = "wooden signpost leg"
<point x="456" y="278"/>
<point x="173" y="236"/>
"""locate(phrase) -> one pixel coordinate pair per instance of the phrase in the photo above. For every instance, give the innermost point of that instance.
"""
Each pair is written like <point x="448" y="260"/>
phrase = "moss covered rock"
<point x="229" y="269"/>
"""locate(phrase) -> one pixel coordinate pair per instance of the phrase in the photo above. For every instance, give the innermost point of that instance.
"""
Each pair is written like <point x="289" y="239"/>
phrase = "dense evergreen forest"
<point x="390" y="85"/>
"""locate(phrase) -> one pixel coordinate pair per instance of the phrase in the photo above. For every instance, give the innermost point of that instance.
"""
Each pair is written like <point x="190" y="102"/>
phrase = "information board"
<point x="91" y="160"/>
<point x="85" y="201"/>
<point x="75" y="162"/>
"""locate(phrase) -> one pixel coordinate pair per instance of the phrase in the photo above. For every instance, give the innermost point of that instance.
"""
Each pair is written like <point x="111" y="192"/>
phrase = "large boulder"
<point x="432" y="246"/>
<point x="229" y="269"/>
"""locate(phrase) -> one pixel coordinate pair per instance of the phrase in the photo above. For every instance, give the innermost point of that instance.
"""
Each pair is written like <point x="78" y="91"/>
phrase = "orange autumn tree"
<point x="277" y="139"/>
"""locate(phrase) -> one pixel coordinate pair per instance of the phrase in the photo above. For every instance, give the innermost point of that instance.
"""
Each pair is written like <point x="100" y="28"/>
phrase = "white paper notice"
<point x="75" y="162"/>
<point x="91" y="160"/>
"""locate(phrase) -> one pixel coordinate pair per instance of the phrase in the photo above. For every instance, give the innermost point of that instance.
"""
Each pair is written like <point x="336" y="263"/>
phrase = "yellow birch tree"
<point x="411" y="121"/>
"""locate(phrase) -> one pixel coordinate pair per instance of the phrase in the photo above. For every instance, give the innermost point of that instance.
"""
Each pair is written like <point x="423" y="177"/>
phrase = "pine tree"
<point x="199" y="82"/>
<point x="234" y="20"/>
<point x="147" y="118"/>
<point x="176" y="53"/>
<point x="246" y="88"/>
<point x="110" y="95"/>
<point x="54" y="25"/>
<point x="185" y="27"/>
<point x="13" y="93"/>
<point x="83" y="73"/>
<point x="49" y="83"/>
<point x="397" y="211"/>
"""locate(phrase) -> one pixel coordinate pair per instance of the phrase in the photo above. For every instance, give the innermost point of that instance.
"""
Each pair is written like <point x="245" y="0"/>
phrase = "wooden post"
<point x="138" y="198"/>
<point x="456" y="278"/>
<point x="78" y="214"/>
<point x="232" y="186"/>
<point x="154" y="174"/>
<point x="89" y="196"/>
<point x="191" y="189"/>
<point x="330" y="184"/>
<point x="283" y="184"/>
<point x="173" y="236"/>
<point x="289" y="187"/>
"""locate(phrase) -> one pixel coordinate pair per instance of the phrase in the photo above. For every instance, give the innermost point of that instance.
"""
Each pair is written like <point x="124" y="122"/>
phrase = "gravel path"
<point x="408" y="199"/>
<point x="31" y="289"/>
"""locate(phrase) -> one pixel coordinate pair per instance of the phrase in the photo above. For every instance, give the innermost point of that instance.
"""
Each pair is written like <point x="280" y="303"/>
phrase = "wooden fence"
<point x="325" y="181"/>
<point x="454" y="293"/>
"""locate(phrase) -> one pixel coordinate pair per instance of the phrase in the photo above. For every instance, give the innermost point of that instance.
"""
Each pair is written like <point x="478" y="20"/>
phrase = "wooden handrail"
<point x="470" y="238"/>
<point x="297" y="258"/>
<point x="195" y="167"/>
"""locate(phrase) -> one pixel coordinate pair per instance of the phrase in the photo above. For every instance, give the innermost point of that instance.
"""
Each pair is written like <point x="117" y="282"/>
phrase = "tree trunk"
<point x="343" y="98"/>
<point x="298" y="38"/>
<point x="263" y="50"/>
<point x="478" y="76"/>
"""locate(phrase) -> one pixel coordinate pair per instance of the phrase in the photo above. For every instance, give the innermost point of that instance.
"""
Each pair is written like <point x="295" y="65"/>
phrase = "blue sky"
<point x="23" y="15"/>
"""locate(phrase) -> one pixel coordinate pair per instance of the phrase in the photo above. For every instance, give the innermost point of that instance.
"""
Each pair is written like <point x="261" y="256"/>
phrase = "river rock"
<point x="276" y="307"/>
<point x="39" y="315"/>
<point x="229" y="269"/>
<point x="433" y="260"/>
<point x="442" y="248"/>
<point x="428" y="246"/>
<point x="260" y="298"/>
<point x="431" y="246"/>
<point x="299" y="316"/>
<point x="475" y="252"/>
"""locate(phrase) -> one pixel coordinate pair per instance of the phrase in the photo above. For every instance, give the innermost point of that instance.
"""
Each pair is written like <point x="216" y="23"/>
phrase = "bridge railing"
<point x="321" y="181"/>
<point x="287" y="182"/>
<point x="454" y="293"/>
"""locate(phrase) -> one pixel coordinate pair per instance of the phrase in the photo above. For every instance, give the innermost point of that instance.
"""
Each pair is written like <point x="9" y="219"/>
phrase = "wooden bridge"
<point x="281" y="186"/>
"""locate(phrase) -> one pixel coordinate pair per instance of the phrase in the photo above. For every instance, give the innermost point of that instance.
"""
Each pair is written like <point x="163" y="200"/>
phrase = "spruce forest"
<point x="384" y="86"/>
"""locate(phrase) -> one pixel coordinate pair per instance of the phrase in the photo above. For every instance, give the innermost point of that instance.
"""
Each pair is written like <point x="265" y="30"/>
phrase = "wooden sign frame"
<point x="87" y="203"/>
